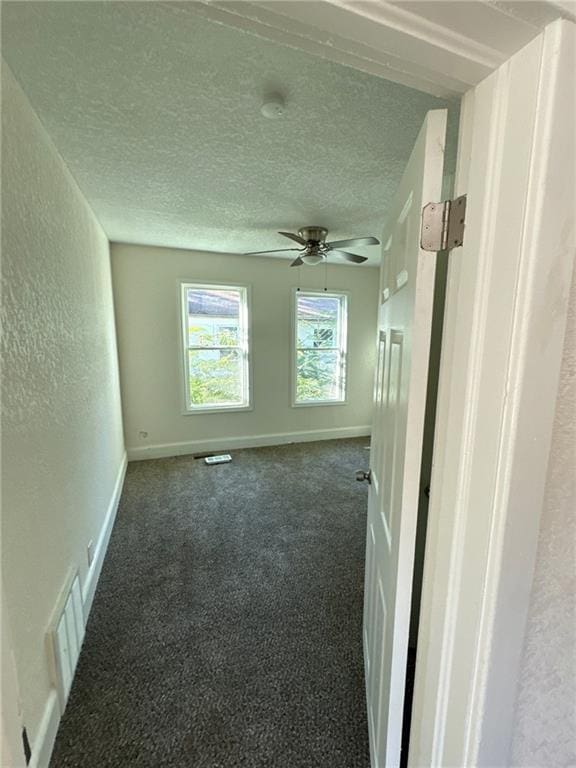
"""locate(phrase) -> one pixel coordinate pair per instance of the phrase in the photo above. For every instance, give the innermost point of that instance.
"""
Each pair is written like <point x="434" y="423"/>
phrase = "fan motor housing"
<point x="314" y="234"/>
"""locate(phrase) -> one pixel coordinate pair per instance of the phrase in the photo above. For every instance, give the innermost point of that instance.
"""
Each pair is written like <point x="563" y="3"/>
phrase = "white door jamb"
<point x="506" y="308"/>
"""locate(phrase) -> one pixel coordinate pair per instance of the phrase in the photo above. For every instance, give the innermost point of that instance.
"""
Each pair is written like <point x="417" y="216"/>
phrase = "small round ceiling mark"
<point x="273" y="106"/>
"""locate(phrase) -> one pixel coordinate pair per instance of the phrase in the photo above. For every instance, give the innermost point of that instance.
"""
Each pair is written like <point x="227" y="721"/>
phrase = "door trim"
<point x="505" y="321"/>
<point x="436" y="52"/>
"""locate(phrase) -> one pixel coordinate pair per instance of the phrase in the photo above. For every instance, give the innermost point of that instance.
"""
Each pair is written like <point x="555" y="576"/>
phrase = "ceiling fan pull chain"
<point x="326" y="274"/>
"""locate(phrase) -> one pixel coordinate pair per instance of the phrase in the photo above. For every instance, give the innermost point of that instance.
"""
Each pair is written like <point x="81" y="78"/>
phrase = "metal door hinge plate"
<point x="443" y="225"/>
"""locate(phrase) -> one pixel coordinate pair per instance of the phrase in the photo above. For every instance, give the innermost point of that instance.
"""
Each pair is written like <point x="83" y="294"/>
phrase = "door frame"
<point x="434" y="52"/>
<point x="504" y="327"/>
<point x="11" y="746"/>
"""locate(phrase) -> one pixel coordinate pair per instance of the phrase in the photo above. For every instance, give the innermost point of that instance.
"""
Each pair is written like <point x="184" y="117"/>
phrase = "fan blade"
<point x="350" y="256"/>
<point x="297" y="262"/>
<point x="279" y="250"/>
<point x="354" y="242"/>
<point x="296" y="238"/>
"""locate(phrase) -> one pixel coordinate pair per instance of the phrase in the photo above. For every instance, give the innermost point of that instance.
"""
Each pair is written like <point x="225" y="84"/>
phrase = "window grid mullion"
<point x="193" y="347"/>
<point x="318" y="349"/>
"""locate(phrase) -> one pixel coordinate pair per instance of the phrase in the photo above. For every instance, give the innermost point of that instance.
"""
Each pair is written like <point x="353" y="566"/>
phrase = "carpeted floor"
<point x="226" y="629"/>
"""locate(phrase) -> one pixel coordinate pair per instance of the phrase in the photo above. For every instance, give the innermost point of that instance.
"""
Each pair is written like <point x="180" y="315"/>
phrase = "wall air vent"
<point x="65" y="637"/>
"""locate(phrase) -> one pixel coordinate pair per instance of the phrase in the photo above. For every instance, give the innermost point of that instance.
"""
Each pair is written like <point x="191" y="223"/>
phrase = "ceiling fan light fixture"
<point x="311" y="258"/>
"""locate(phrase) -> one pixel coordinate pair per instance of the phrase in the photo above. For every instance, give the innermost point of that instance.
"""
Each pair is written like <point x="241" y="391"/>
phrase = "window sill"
<point x="217" y="409"/>
<point x="319" y="402"/>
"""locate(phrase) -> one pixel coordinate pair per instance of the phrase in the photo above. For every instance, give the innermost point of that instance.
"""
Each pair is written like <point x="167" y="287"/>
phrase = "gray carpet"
<point x="226" y="629"/>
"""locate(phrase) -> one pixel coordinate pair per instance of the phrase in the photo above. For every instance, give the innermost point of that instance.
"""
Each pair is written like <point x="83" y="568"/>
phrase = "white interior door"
<point x="406" y="300"/>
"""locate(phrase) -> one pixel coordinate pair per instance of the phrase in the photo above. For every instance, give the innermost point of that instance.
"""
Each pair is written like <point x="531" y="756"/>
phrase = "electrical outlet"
<point x="90" y="552"/>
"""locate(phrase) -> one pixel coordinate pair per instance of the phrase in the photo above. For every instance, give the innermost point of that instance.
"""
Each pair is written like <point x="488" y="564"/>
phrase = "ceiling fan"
<point x="314" y="248"/>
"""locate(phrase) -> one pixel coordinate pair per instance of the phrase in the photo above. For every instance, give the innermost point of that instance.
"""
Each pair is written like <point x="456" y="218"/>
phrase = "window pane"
<point x="318" y="321"/>
<point x="213" y="317"/>
<point x="318" y="375"/>
<point x="215" y="377"/>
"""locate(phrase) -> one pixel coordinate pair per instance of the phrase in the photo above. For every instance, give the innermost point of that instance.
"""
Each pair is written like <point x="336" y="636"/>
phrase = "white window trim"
<point x="294" y="347"/>
<point x="186" y="410"/>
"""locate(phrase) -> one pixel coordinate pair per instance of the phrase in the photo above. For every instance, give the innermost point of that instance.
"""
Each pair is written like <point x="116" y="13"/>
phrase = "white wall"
<point x="545" y="723"/>
<point x="147" y="306"/>
<point x="62" y="443"/>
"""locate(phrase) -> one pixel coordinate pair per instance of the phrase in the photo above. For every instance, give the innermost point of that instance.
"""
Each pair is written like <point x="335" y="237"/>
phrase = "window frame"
<point x="244" y="347"/>
<point x="344" y="297"/>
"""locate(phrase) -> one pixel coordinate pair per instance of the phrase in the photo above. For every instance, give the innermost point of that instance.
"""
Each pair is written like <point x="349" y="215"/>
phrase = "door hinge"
<point x="443" y="225"/>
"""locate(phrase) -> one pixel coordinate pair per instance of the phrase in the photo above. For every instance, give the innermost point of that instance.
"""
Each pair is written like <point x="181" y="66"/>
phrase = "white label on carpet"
<point x="222" y="459"/>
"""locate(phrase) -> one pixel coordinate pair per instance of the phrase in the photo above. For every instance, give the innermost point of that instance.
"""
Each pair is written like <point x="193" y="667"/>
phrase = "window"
<point x="320" y="348"/>
<point x="215" y="333"/>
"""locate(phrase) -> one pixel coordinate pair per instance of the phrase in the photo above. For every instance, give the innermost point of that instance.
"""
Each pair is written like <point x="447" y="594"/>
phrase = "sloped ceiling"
<point x="156" y="111"/>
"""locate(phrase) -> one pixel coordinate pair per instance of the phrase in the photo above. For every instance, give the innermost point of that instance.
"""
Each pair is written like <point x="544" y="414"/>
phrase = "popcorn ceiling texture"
<point x="62" y="441"/>
<point x="157" y="113"/>
<point x="545" y="727"/>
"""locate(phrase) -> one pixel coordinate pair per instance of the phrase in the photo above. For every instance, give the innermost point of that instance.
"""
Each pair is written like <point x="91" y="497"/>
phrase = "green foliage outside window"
<point x="317" y="375"/>
<point x="215" y="374"/>
<point x="214" y="381"/>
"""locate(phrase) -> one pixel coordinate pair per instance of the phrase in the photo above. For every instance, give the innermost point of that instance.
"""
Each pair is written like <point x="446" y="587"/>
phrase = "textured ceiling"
<point x="156" y="111"/>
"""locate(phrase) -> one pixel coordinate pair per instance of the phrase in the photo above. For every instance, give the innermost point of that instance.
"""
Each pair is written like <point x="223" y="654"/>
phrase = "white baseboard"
<point x="46" y="736"/>
<point x="48" y="728"/>
<point x="91" y="581"/>
<point x="251" y="441"/>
